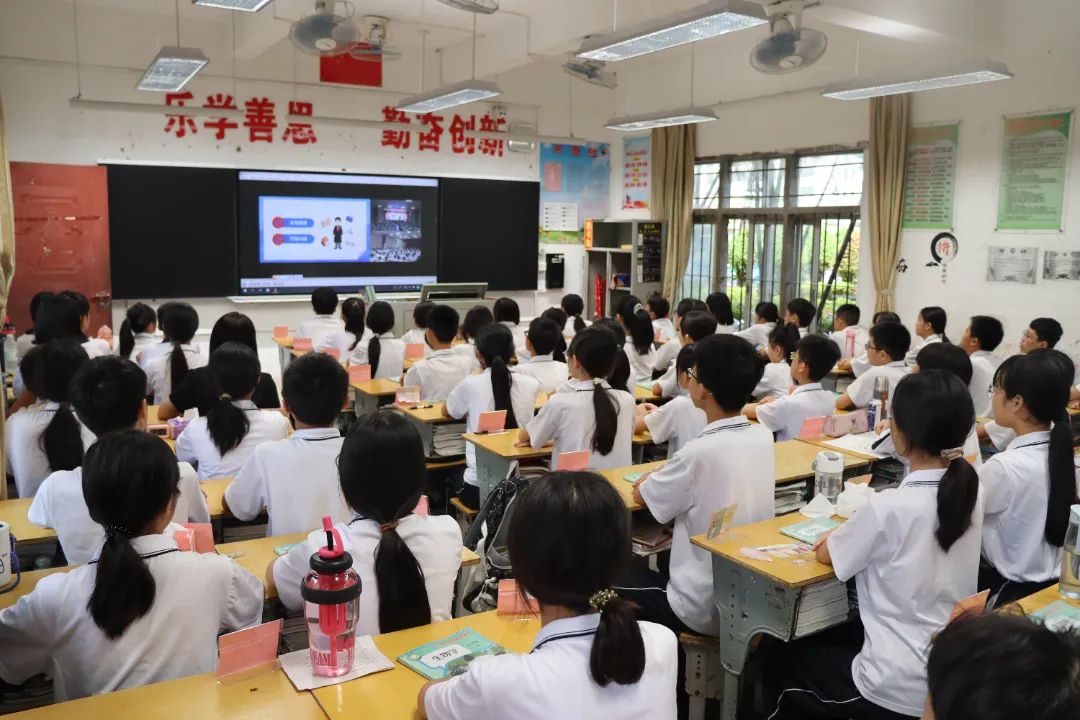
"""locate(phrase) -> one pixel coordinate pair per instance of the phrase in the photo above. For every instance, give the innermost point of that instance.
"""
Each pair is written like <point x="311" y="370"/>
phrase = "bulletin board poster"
<point x="575" y="183"/>
<point x="637" y="172"/>
<point x="1033" y="170"/>
<point x="930" y="179"/>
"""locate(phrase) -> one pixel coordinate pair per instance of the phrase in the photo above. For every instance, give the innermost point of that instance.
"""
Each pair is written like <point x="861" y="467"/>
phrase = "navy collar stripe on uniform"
<point x="563" y="636"/>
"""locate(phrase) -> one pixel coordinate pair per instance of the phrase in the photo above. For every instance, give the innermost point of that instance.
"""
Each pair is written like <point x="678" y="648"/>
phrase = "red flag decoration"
<point x="350" y="71"/>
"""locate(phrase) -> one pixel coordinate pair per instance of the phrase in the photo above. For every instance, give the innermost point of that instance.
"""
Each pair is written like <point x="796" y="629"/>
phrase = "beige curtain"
<point x="673" y="197"/>
<point x="885" y="166"/>
<point x="7" y="263"/>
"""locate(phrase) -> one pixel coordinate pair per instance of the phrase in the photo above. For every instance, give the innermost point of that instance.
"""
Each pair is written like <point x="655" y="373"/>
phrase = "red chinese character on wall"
<point x="179" y="124"/>
<point x="492" y="147"/>
<point x="220" y="124"/>
<point x="300" y="133"/>
<point x="430" y="140"/>
<point x="400" y="139"/>
<point x="259" y="120"/>
<point x="460" y="142"/>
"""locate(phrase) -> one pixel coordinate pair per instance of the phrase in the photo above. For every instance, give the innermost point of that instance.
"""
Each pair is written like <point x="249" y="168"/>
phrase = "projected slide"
<point x="314" y="230"/>
<point x="396" y="231"/>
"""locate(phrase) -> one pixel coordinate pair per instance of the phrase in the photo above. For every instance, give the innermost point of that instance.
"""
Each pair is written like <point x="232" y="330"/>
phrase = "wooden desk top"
<point x="617" y="478"/>
<point x="1036" y="602"/>
<point x="285" y="342"/>
<point x="152" y="415"/>
<point x="299" y="353"/>
<point x="431" y="413"/>
<point x="27" y="584"/>
<point x="14" y="512"/>
<point x="407" y="364"/>
<point x="819" y="443"/>
<point x="502" y="444"/>
<point x="378" y="387"/>
<point x="784" y="571"/>
<point x="392" y="695"/>
<point x="643" y="395"/>
<point x="841" y="372"/>
<point x="795" y="458"/>
<point x="214" y="490"/>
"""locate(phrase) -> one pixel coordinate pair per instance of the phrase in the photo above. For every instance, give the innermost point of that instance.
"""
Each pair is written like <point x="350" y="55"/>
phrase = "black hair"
<point x="380" y="318"/>
<point x="557" y="316"/>
<point x="442" y="321"/>
<point x="619" y="377"/>
<point x="180" y="324"/>
<point x="476" y="318"/>
<point x="785" y="337"/>
<point x="81" y="300"/>
<point x="637" y="323"/>
<point x="999" y="666"/>
<point x="941" y="356"/>
<point x="1043" y="379"/>
<point x="934" y="413"/>
<point x="687" y="304"/>
<point x="729" y="368"/>
<point x="138" y="319"/>
<point x="108" y="393"/>
<point x="820" y="355"/>
<point x="767" y="311"/>
<point x="570" y="539"/>
<point x="659" y="305"/>
<point x="802" y="309"/>
<point x="235" y="368"/>
<point x="163" y="310"/>
<point x="420" y="312"/>
<point x="1048" y="330"/>
<point x="506" y="310"/>
<point x="35" y="303"/>
<point x="53" y="366"/>
<point x="686" y="358"/>
<point x="893" y="338"/>
<point x="324" y="301"/>
<point x="886" y="316"/>
<point x="936" y="318"/>
<point x="719" y="304"/>
<point x="596" y="349"/>
<point x="128" y="479"/>
<point x="383" y="445"/>
<point x="233" y="327"/>
<point x="988" y="331"/>
<point x="698" y="325"/>
<point x="354" y="312"/>
<point x="315" y="388"/>
<point x="57" y="318"/>
<point x="544" y="335"/>
<point x="496" y="346"/>
<point x="574" y="306"/>
<point x="849" y="313"/>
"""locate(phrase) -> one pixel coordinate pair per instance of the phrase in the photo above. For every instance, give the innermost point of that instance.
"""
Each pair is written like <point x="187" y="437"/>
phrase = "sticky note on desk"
<point x="333" y="352"/>
<point x="572" y="461"/>
<point x="359" y="374"/>
<point x="409" y="395"/>
<point x="414" y="351"/>
<point x="301" y="344"/>
<point x="491" y="422"/>
<point x="244" y="652"/>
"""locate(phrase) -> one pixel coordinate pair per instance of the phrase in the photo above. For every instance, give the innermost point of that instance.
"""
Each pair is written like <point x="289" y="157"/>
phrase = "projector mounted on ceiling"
<point x="592" y="72"/>
<point x="790" y="46"/>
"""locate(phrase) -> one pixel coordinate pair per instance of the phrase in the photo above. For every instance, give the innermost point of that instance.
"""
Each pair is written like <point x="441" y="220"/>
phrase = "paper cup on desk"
<point x="5" y="555"/>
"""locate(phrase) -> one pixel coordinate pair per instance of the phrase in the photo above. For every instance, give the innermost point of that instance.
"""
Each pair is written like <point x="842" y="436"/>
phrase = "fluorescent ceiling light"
<point x="450" y="96"/>
<point x="699" y="23"/>
<point x="242" y="5"/>
<point x="683" y="116"/>
<point x="172" y="68"/>
<point x="954" y="76"/>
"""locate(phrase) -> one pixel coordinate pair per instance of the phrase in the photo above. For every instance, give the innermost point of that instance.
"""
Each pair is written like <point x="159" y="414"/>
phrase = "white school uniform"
<point x="159" y="371"/>
<point x="983" y="366"/>
<point x="641" y="365"/>
<point x="999" y="436"/>
<point x="342" y="341"/>
<point x="440" y="373"/>
<point x="196" y="446"/>
<point x="318" y="327"/>
<point x="26" y="461"/>
<point x="416" y="336"/>
<point x="669" y="382"/>
<point x="907" y="585"/>
<point x="776" y="380"/>
<point x="435" y="541"/>
<point x="155" y="350"/>
<point x="676" y="423"/>
<point x="60" y="505"/>
<point x="295" y="479"/>
<point x="23" y="345"/>
<point x="548" y="373"/>
<point x="860" y="364"/>
<point x="196" y="596"/>
<point x="786" y="414"/>
<point x="971" y="450"/>
<point x="143" y="341"/>
<point x="725" y="330"/>
<point x="757" y="334"/>
<point x="96" y="347"/>
<point x="569" y="419"/>
<point x="554" y="680"/>
<point x="518" y="332"/>
<point x="851" y="341"/>
<point x="913" y="351"/>
<point x="391" y="356"/>
<point x="730" y="463"/>
<point x="861" y="389"/>
<point x="568" y="328"/>
<point x="1016" y="484"/>
<point x="474" y="396"/>
<point x="667" y="353"/>
<point x="467" y="350"/>
<point x="666" y="328"/>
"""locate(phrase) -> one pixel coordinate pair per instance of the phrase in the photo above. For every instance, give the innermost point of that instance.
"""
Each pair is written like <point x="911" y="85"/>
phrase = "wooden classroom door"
<point x="61" y="237"/>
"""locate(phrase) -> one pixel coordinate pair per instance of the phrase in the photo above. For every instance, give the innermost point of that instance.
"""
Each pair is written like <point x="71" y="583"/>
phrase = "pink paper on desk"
<point x="490" y="422"/>
<point x="813" y="427"/>
<point x="407" y="395"/>
<point x="573" y="460"/>
<point x="195" y="536"/>
<point x="511" y="601"/>
<point x="281" y="331"/>
<point x="301" y="343"/>
<point x="359" y="374"/>
<point x="421" y="507"/>
<point x="244" y="652"/>
<point x="414" y="351"/>
<point x="333" y="352"/>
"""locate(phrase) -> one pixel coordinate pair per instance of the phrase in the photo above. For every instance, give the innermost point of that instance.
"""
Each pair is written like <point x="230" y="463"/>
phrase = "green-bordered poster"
<point x="930" y="179"/>
<point x="1033" y="169"/>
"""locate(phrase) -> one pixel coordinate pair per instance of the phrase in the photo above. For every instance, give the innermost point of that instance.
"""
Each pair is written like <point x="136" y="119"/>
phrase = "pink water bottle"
<point x="331" y="593"/>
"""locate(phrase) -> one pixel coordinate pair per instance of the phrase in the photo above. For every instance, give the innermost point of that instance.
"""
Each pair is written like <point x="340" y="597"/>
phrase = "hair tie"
<point x="597" y="382"/>
<point x="951" y="454"/>
<point x="225" y="396"/>
<point x="638" y="308"/>
<point x="387" y="527"/>
<point x="118" y="531"/>
<point x="599" y="599"/>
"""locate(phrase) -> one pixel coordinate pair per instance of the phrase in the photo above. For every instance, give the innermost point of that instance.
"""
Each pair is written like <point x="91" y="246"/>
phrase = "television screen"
<point x="300" y="231"/>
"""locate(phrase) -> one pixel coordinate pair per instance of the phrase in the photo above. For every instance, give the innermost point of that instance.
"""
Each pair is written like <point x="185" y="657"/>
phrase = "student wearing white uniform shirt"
<point x="137" y="331"/>
<point x="658" y="309"/>
<point x="94" y="346"/>
<point x="382" y="351"/>
<point x="860" y="364"/>
<point x="591" y="659"/>
<point x="666" y="354"/>
<point x="169" y="370"/>
<point x="676" y="422"/>
<point x="109" y="395"/>
<point x="351" y="332"/>
<point x="1030" y="486"/>
<point x="496" y="388"/>
<point x="143" y="611"/>
<point x="766" y="315"/>
<point x="800" y="313"/>
<point x="639" y="339"/>
<point x="981" y="337"/>
<point x="543" y="339"/>
<point x="574" y="307"/>
<point x="220" y="443"/>
<point x="914" y="553"/>
<point x="507" y="313"/>
<point x="776" y="378"/>
<point x="324" y="302"/>
<point x="929" y="328"/>
<point x="440" y="372"/>
<point x="296" y="479"/>
<point x="415" y="335"/>
<point x="475" y="319"/>
<point x="886" y="349"/>
<point x="695" y="325"/>
<point x="719" y="306"/>
<point x="587" y="414"/>
<point x="163" y="344"/>
<point x="814" y="357"/>
<point x="848" y="335"/>
<point x="407" y="563"/>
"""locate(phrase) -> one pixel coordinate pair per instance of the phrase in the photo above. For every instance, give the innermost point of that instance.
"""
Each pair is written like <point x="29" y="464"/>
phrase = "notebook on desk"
<point x="450" y="656"/>
<point x="808" y="531"/>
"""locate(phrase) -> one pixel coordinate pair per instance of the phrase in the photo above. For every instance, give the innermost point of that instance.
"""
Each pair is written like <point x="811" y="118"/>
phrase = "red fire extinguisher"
<point x="600" y="286"/>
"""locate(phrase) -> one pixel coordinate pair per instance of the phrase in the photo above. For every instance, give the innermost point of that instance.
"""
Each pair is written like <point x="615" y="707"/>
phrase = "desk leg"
<point x="364" y="404"/>
<point x="490" y="470"/>
<point x="284" y="357"/>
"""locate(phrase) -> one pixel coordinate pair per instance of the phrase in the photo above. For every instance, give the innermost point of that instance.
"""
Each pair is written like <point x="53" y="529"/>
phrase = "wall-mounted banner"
<point x="930" y="181"/>
<point x="637" y="172"/>
<point x="1034" y="159"/>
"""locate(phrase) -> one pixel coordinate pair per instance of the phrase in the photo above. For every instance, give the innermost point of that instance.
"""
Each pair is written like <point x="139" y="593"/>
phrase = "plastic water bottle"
<point x="881" y="392"/>
<point x="828" y="474"/>
<point x="1070" y="557"/>
<point x="331" y="593"/>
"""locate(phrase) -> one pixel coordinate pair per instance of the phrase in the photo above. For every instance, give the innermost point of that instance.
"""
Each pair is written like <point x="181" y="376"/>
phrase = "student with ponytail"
<point x="496" y="388"/>
<point x="574" y="307"/>
<point x="506" y="312"/>
<point x="929" y="329"/>
<point x="26" y="340"/>
<point x="351" y="332"/>
<point x="1030" y="486"/>
<point x="569" y="543"/>
<point x="776" y="380"/>
<point x="913" y="552"/>
<point x="382" y="351"/>
<point x="137" y="331"/>
<point x="619" y="377"/>
<point x="169" y="370"/>
<point x="142" y="611"/>
<point x="542" y="341"/>
<point x="639" y="342"/>
<point x="557" y="316"/>
<point x="219" y="443"/>
<point x="587" y="413"/>
<point x="407" y="563"/>
<point x="476" y="318"/>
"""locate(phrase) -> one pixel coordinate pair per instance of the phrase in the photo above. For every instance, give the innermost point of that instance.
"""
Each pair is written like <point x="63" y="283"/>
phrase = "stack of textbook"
<point x="447" y="440"/>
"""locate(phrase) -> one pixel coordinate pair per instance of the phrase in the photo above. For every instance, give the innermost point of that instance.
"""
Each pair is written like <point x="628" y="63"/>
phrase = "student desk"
<point x="214" y="490"/>
<point x="756" y="597"/>
<point x="284" y="346"/>
<point x="1032" y="603"/>
<point x="29" y="581"/>
<point x="368" y="396"/>
<point x="391" y="695"/>
<point x="424" y="417"/>
<point x="14" y="513"/>
<point x="617" y="478"/>
<point x="835" y="378"/>
<point x="819" y="444"/>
